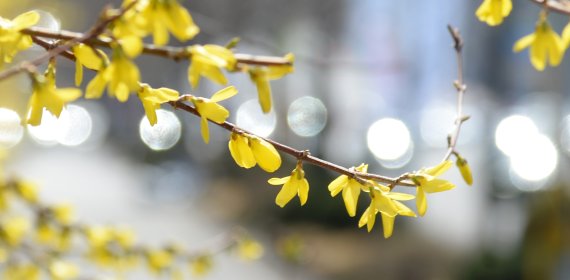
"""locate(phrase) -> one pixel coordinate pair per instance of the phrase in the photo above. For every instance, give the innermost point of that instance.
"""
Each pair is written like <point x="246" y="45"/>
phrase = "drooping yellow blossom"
<point x="494" y="11"/>
<point x="240" y="150"/>
<point x="28" y="191"/>
<point x="13" y="230"/>
<point x="86" y="56"/>
<point x="152" y="98"/>
<point x="385" y="202"/>
<point x="265" y="154"/>
<point x="546" y="46"/>
<point x="350" y="189"/>
<point x="11" y="40"/>
<point x="56" y="237"/>
<point x="208" y="61"/>
<point x="163" y="16"/>
<point x="248" y="150"/>
<point x="249" y="249"/>
<point x="63" y="213"/>
<point x="261" y="77"/>
<point x="293" y="185"/>
<point x="464" y="170"/>
<point x="22" y="271"/>
<point x="101" y="239"/>
<point x="46" y="95"/>
<point x="129" y="29"/>
<point x="121" y="78"/>
<point x="201" y="265"/>
<point x="158" y="260"/>
<point x="62" y="270"/>
<point x="209" y="109"/>
<point x="566" y="36"/>
<point x="426" y="182"/>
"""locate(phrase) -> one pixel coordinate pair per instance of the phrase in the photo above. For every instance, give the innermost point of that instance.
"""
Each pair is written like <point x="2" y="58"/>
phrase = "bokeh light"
<point x="512" y="134"/>
<point x="74" y="126"/>
<point x="164" y="134"/>
<point x="46" y="133"/>
<point x="537" y="161"/>
<point x="389" y="140"/>
<point x="307" y="116"/>
<point x="11" y="130"/>
<point x="250" y="117"/>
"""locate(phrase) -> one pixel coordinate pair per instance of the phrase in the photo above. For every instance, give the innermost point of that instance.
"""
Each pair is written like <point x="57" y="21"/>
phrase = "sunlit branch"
<point x="461" y="88"/>
<point x="92" y="33"/>
<point x="300" y="154"/>
<point x="562" y="7"/>
<point x="176" y="53"/>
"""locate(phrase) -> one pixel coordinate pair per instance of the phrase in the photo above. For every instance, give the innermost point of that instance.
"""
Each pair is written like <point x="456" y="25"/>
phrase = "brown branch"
<point x="562" y="7"/>
<point x="92" y="33"/>
<point x="163" y="51"/>
<point x="461" y="88"/>
<point x="302" y="155"/>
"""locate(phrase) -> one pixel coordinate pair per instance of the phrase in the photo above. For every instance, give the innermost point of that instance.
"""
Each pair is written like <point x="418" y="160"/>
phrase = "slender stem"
<point x="163" y="51"/>
<point x="92" y="33"/>
<point x="461" y="88"/>
<point x="300" y="154"/>
<point x="555" y="6"/>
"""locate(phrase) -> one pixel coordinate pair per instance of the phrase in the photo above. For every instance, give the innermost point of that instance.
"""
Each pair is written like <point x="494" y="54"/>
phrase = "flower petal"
<point x="421" y="201"/>
<point x="224" y="94"/>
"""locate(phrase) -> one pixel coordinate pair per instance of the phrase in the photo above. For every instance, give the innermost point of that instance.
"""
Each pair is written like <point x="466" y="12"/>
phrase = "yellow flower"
<point x="121" y="76"/>
<point x="163" y="16"/>
<point x="129" y="30"/>
<point x="426" y="182"/>
<point x="11" y="40"/>
<point x="350" y="189"/>
<point x="295" y="184"/>
<point x="240" y="150"/>
<point x="201" y="265"/>
<point x="89" y="57"/>
<point x="158" y="260"/>
<point x="22" y="271"/>
<point x="63" y="213"/>
<point x="494" y="11"/>
<point x="28" y="191"/>
<point x="46" y="95"/>
<point x="387" y="204"/>
<point x="249" y="249"/>
<point x="464" y="170"/>
<point x="209" y="109"/>
<point x="248" y="150"/>
<point x="261" y="77"/>
<point x="265" y="154"/>
<point x="545" y="44"/>
<point x="152" y="98"/>
<point x="13" y="230"/>
<point x="62" y="270"/>
<point x="208" y="61"/>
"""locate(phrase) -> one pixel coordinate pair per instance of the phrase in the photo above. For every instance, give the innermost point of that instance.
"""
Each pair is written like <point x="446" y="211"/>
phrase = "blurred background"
<point x="373" y="84"/>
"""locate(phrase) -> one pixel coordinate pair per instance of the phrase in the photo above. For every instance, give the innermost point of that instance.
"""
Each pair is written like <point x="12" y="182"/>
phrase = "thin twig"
<point x="555" y="6"/>
<point x="92" y="33"/>
<point x="461" y="88"/>
<point x="299" y="154"/>
<point x="162" y="51"/>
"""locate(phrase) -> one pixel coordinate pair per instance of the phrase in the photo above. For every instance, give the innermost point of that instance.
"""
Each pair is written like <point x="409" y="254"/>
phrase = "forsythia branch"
<point x="163" y="51"/>
<point x="92" y="33"/>
<point x="562" y="7"/>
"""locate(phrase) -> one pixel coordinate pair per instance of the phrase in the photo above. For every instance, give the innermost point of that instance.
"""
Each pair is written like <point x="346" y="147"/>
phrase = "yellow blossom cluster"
<point x="53" y="240"/>
<point x="546" y="46"/>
